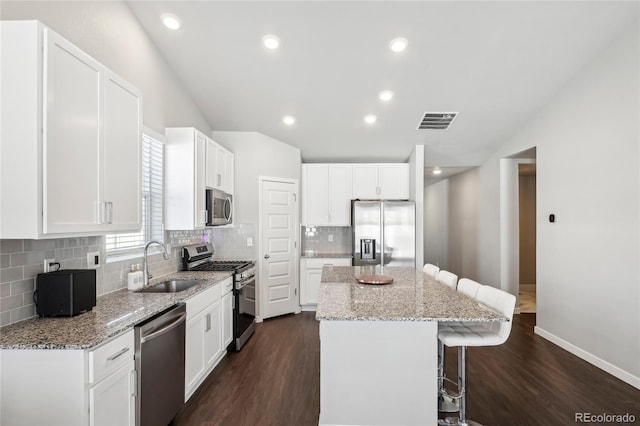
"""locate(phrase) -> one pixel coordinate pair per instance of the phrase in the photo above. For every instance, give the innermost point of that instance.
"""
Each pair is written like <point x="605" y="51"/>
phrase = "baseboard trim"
<point x="516" y="310"/>
<point x="590" y="358"/>
<point x="308" y="308"/>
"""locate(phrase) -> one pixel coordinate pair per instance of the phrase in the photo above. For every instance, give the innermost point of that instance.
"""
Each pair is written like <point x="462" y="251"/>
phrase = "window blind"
<point x="152" y="201"/>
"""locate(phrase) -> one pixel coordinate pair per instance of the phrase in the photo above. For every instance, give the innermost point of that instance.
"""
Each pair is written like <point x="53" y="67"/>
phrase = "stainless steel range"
<point x="199" y="257"/>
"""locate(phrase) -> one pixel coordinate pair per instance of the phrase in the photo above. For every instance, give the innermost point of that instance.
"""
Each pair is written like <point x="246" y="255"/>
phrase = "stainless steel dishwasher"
<point x="160" y="366"/>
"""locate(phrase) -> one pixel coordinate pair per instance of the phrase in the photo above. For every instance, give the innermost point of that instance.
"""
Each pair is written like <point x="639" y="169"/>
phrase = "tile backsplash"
<point x="317" y="238"/>
<point x="22" y="260"/>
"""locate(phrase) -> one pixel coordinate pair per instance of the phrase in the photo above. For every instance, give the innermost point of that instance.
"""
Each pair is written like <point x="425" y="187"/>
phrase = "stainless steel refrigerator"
<point x="384" y="233"/>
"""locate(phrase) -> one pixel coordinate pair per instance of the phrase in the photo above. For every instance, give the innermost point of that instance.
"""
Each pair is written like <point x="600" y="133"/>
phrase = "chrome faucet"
<point x="146" y="275"/>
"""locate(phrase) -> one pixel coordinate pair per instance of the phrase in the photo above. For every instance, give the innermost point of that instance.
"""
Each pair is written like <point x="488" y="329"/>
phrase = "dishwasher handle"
<point x="170" y="326"/>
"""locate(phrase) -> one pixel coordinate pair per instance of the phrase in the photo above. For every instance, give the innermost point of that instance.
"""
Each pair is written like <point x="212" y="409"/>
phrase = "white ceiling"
<point x="496" y="63"/>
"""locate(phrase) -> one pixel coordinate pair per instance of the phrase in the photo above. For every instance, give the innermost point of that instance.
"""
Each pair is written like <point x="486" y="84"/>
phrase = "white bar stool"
<point x="431" y="270"/>
<point x="462" y="335"/>
<point x="447" y="278"/>
<point x="446" y="404"/>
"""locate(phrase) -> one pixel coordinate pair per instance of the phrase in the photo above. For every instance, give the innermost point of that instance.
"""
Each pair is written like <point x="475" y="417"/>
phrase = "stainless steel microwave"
<point x="219" y="207"/>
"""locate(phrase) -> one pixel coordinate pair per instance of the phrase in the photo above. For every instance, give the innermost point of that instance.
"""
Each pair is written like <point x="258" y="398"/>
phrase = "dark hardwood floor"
<point x="528" y="381"/>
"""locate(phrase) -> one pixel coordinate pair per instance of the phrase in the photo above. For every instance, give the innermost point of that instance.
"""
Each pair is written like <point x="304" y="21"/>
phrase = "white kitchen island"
<point x="378" y="345"/>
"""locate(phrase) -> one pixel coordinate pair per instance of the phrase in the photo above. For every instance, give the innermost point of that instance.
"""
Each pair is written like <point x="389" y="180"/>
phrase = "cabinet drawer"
<point x="319" y="263"/>
<point x="111" y="355"/>
<point x="201" y="300"/>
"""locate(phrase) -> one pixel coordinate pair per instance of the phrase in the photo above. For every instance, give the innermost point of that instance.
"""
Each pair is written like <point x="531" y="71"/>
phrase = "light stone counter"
<point x="413" y="296"/>
<point x="114" y="313"/>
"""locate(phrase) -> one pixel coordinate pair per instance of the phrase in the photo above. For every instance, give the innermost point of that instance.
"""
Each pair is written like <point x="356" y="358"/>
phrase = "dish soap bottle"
<point x="134" y="278"/>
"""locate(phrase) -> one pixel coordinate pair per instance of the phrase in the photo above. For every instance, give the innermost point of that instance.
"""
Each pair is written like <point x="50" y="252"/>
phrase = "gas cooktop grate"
<point x="220" y="265"/>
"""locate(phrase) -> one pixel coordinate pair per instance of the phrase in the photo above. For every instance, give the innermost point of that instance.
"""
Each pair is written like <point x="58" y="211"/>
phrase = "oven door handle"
<point x="242" y="284"/>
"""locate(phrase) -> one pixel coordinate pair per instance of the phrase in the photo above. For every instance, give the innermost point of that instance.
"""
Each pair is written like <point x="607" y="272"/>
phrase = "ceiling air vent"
<point x="437" y="120"/>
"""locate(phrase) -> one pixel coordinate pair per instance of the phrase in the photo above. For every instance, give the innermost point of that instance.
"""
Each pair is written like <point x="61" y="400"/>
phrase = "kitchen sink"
<point x="172" y="286"/>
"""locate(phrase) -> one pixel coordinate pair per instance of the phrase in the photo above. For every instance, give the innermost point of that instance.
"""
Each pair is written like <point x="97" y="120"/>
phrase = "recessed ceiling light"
<point x="171" y="21"/>
<point x="288" y="120"/>
<point x="437" y="171"/>
<point x="370" y="119"/>
<point x="270" y="41"/>
<point x="385" y="95"/>
<point x="398" y="44"/>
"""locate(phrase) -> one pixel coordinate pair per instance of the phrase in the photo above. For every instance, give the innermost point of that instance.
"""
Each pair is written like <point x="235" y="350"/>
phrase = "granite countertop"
<point x="413" y="296"/>
<point x="114" y="313"/>
<point x="312" y="254"/>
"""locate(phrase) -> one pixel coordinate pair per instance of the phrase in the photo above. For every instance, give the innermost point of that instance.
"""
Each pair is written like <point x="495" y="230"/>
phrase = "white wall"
<point x="416" y="193"/>
<point x="587" y="141"/>
<point x="436" y="224"/>
<point x="111" y="34"/>
<point x="256" y="155"/>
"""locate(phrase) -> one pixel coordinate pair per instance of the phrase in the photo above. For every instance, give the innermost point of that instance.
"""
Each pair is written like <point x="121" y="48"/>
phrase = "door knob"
<point x="266" y="256"/>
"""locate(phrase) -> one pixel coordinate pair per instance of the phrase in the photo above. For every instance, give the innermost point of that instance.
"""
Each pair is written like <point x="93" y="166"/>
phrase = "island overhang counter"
<point x="378" y="344"/>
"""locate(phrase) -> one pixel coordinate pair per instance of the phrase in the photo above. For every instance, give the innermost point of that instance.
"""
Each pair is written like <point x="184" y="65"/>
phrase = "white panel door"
<point x="121" y="153"/>
<point x="278" y="241"/>
<point x="315" y="194"/>
<point x="340" y="194"/>
<point x="71" y="138"/>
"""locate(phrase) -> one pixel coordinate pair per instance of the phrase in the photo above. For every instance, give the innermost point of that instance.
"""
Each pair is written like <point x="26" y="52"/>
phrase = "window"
<point x="152" y="200"/>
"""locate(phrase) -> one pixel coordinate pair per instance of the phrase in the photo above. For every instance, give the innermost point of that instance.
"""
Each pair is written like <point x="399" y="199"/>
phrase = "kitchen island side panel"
<point x="378" y="372"/>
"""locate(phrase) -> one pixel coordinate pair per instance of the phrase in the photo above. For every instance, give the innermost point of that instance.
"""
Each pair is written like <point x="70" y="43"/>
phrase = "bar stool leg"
<point x="462" y="390"/>
<point x="462" y="383"/>
<point x="446" y="404"/>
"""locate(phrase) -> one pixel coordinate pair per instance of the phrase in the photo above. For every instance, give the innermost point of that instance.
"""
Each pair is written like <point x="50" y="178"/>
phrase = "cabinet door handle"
<point x="219" y="179"/>
<point x="109" y="213"/>
<point x="118" y="354"/>
<point x="134" y="383"/>
<point x="208" y="327"/>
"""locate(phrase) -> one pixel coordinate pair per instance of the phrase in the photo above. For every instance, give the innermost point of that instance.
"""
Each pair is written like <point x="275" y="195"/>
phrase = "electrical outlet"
<point x="93" y="260"/>
<point x="249" y="242"/>
<point x="48" y="263"/>
<point x="330" y="238"/>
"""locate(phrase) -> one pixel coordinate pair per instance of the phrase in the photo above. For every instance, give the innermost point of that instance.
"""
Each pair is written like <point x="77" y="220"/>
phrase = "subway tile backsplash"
<point x="317" y="238"/>
<point x="22" y="260"/>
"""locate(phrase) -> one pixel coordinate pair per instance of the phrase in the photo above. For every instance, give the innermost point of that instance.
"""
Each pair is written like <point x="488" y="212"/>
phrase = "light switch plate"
<point x="93" y="260"/>
<point x="249" y="242"/>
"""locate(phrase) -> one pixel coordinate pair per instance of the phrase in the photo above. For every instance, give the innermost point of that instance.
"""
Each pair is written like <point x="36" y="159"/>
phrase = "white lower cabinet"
<point x="112" y="401"/>
<point x="204" y="335"/>
<point x="227" y="319"/>
<point x="69" y="387"/>
<point x="310" y="274"/>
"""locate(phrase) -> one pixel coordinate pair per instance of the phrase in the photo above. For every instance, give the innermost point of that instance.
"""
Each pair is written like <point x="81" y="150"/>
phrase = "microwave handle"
<point x="227" y="209"/>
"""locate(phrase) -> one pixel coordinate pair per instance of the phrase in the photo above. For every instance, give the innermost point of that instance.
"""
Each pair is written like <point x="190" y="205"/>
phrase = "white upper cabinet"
<point x="121" y="165"/>
<point x="326" y="194"/>
<point x="71" y="138"/>
<point x="393" y="181"/>
<point x="185" y="165"/>
<point x="70" y="133"/>
<point x="340" y="194"/>
<point x="381" y="181"/>
<point x="315" y="194"/>
<point x="219" y="167"/>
